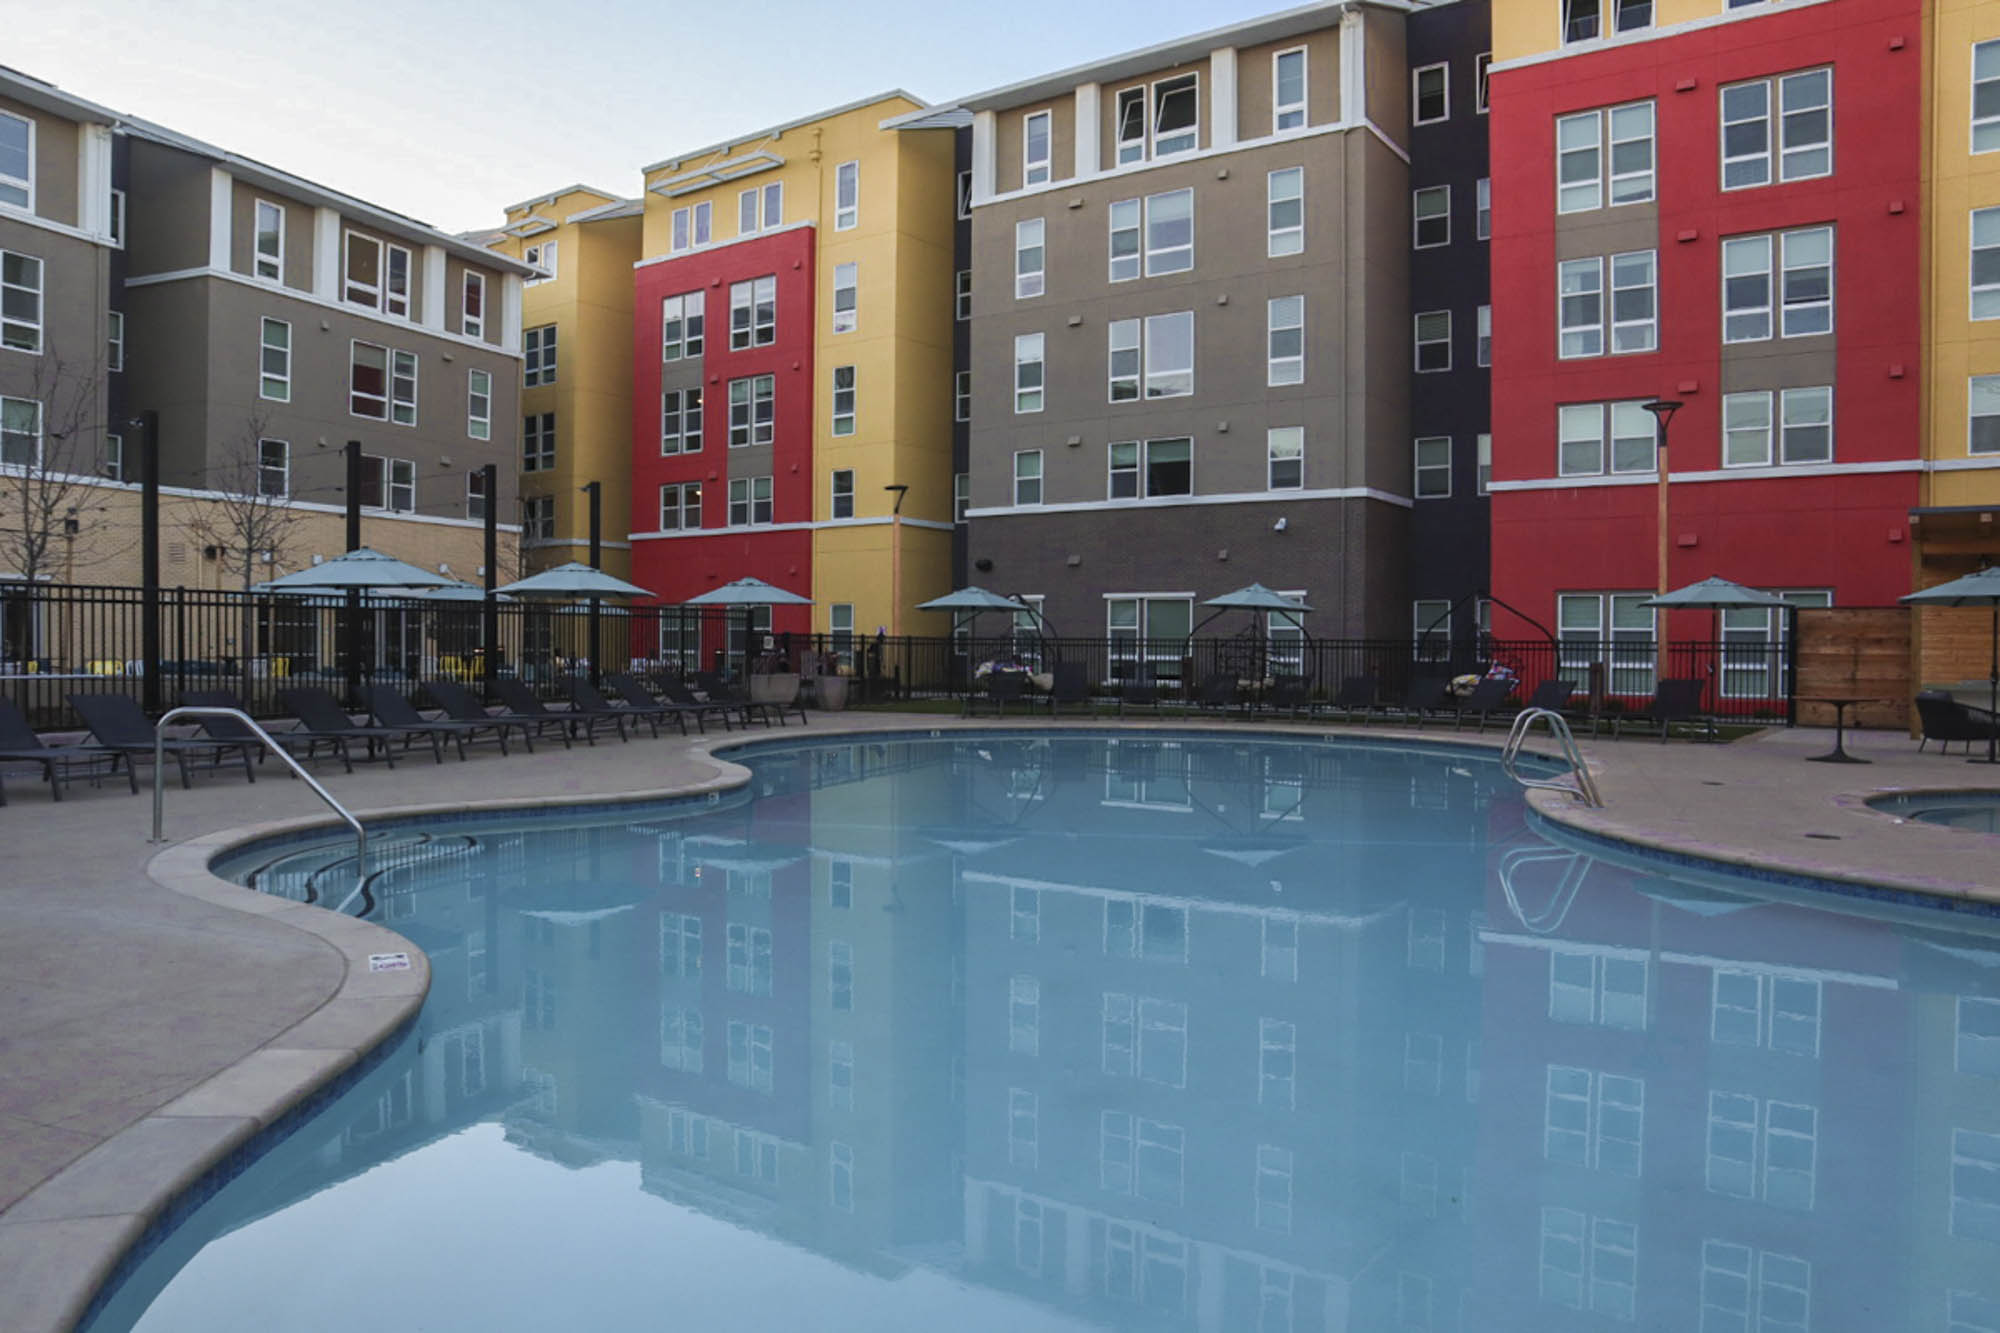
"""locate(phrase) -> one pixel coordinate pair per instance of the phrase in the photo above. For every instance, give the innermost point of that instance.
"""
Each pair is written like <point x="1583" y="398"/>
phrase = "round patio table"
<point x="1840" y="705"/>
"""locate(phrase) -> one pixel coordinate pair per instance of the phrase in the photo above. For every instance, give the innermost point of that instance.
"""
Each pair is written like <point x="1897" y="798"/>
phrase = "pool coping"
<point x="94" y="1219"/>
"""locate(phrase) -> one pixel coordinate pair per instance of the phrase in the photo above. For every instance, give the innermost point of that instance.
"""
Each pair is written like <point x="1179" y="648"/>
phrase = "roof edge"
<point x="770" y="131"/>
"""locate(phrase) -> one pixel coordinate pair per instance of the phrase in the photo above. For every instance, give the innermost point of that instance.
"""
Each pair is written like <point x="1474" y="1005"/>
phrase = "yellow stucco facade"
<point x="899" y="233"/>
<point x="588" y="301"/>
<point x="1524" y="28"/>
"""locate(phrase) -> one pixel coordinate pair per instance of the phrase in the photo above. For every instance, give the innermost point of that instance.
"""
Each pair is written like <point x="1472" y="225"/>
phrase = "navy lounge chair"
<point x="320" y="714"/>
<point x="1673" y="701"/>
<point x="117" y="723"/>
<point x="521" y="701"/>
<point x="587" y="698"/>
<point x="20" y="745"/>
<point x="461" y="705"/>
<point x="297" y="743"/>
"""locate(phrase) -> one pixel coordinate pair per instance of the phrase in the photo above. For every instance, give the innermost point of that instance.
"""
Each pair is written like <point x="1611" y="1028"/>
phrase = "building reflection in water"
<point x="1208" y="1035"/>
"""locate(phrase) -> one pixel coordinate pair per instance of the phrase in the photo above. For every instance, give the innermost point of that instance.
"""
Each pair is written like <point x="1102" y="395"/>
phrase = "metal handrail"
<point x="1575" y="867"/>
<point x="271" y="744"/>
<point x="1583" y="788"/>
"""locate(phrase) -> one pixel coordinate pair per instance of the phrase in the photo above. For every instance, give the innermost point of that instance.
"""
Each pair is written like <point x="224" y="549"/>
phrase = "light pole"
<point x="595" y="490"/>
<point x="1663" y="410"/>
<point x="899" y="489"/>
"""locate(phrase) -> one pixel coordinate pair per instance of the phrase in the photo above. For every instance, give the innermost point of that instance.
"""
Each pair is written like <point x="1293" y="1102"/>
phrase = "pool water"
<point x="1064" y="1033"/>
<point x="1976" y="811"/>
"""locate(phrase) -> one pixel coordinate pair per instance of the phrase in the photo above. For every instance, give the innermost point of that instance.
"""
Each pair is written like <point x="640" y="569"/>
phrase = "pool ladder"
<point x="160" y="786"/>
<point x="1577" y="782"/>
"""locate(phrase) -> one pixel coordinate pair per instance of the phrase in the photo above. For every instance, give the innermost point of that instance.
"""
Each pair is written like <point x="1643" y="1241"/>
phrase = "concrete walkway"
<point x="156" y="1017"/>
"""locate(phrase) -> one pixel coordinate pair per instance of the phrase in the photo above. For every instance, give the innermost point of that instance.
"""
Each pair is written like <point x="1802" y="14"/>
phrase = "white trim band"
<point x="1182" y="501"/>
<point x="310" y="298"/>
<point x="744" y="529"/>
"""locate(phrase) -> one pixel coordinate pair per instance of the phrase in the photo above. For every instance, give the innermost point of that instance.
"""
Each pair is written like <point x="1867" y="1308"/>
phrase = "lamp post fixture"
<point x="1663" y="410"/>
<point x="899" y="489"/>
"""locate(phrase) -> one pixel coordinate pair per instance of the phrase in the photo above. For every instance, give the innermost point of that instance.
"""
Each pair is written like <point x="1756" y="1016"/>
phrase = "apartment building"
<point x="1717" y="207"/>
<point x="1190" y="339"/>
<point x="792" y="372"/>
<point x="576" y="375"/>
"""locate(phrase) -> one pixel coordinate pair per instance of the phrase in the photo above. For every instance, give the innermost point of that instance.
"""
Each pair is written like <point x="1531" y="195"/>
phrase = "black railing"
<point x="63" y="640"/>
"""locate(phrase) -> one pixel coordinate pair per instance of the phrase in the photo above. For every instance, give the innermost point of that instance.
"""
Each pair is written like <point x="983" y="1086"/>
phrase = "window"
<point x="753" y="313"/>
<point x="757" y="1156"/>
<point x="1285" y="332"/>
<point x="847" y="196"/>
<point x="275" y="361"/>
<point x="1761" y="1149"/>
<point x="1028" y="372"/>
<point x="20" y="432"/>
<point x="1433" y="341"/>
<point x="964" y="195"/>
<point x="274" y="468"/>
<point x="1580" y="289"/>
<point x="1433" y="468"/>
<point x="771" y="198"/>
<point x="843" y="493"/>
<point x="542" y="256"/>
<point x="20" y="301"/>
<point x="1485" y="482"/>
<point x="118" y="218"/>
<point x="479" y="404"/>
<point x="1430" y="625"/>
<point x="538" y="356"/>
<point x="1985" y="263"/>
<point x="1024" y="915"/>
<point x="961" y="396"/>
<point x="1804" y="292"/>
<point x="1975" y="1184"/>
<point x="749" y="501"/>
<point x="1023" y="1129"/>
<point x="1747" y="1289"/>
<point x="396" y="295"/>
<point x="1288" y="90"/>
<point x="114" y="457"/>
<point x="389" y="483"/>
<point x="680" y="1048"/>
<point x="682" y="325"/>
<point x="1985" y="101"/>
<point x="1430" y="94"/>
<point x="680" y="421"/>
<point x="1586" y="176"/>
<point x="476" y="499"/>
<point x="1977" y="1049"/>
<point x="846" y="297"/>
<point x="472" y="306"/>
<point x="752" y="411"/>
<point x="538" y="517"/>
<point x="1481" y="65"/>
<point x="1024" y="1016"/>
<point x="1035" y="148"/>
<point x="1169" y="232"/>
<point x="1594" y="1120"/>
<point x="963" y="307"/>
<point x="691" y="226"/>
<point x="1803" y="146"/>
<point x="1029" y="258"/>
<point x="1161" y="345"/>
<point x="748" y="958"/>
<point x="1760" y="1010"/>
<point x="1635" y="323"/>
<point x="680" y="506"/>
<point x="1603" y="990"/>
<point x="840" y="1182"/>
<point x="1805" y="427"/>
<point x="1628" y="655"/>
<point x="1285" y="447"/>
<point x="961" y="495"/>
<point x="403" y="388"/>
<point x="1151" y="468"/>
<point x="840" y="975"/>
<point x="1277" y="1063"/>
<point x="364" y="270"/>
<point x="538" y="442"/>
<point x="1983" y="406"/>
<point x="843" y="400"/>
<point x="17" y="160"/>
<point x="1028" y="477"/>
<point x="1483" y="336"/>
<point x="269" y="240"/>
<point x="1589" y="1263"/>
<point x="1482" y="209"/>
<point x="1430" y="216"/>
<point x="368" y="381"/>
<point x="750" y="1063"/>
<point x="1285" y="212"/>
<point x="1581" y="438"/>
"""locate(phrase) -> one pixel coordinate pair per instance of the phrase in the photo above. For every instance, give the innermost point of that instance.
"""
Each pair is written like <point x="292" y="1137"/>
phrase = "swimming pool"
<point x="1059" y="1031"/>
<point x="1977" y="811"/>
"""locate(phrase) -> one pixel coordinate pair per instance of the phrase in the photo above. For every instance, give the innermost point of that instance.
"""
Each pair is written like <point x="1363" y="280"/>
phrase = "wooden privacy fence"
<point x="1856" y="652"/>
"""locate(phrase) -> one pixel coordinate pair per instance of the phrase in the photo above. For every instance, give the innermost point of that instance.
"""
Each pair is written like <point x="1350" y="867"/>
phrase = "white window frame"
<point x="18" y="334"/>
<point x="1482" y="100"/>
<point x="1138" y="463"/>
<point x="964" y="196"/>
<point x="370" y="295"/>
<point x="1482" y="343"/>
<point x="1292" y="441"/>
<point x="753" y="313"/>
<point x="118" y="218"/>
<point x="847" y="280"/>
<point x="1585" y="336"/>
<point x="1787" y="308"/>
<point x="267" y="266"/>
<point x="1482" y="209"/>
<point x="1163" y="259"/>
<point x="1287" y="116"/>
<point x="35" y="458"/>
<point x="479" y="404"/>
<point x="400" y="486"/>
<point x="1597" y="424"/>
<point x="276" y="388"/>
<point x="354" y="394"/>
<point x="399" y="281"/>
<point x="542" y="256"/>
<point x="1776" y="152"/>
<point x="962" y="308"/>
<point x="1038" y="171"/>
<point x="682" y="500"/>
<point x="1024" y="1015"/>
<point x="1984" y="132"/>
<point x="847" y="196"/>
<point x="961" y="396"/>
<point x="1419" y="199"/>
<point x="686" y="314"/>
<point x="1031" y="258"/>
<point x="282" y="468"/>
<point x="538" y="356"/>
<point x="961" y="495"/>
<point x="1286" y="367"/>
<point x="1982" y="298"/>
<point x="1443" y="68"/>
<point x="538" y="442"/>
<point x="1419" y="342"/>
<point x="1021" y="479"/>
<point x="681" y="424"/>
<point x="1982" y="391"/>
<point x="841" y="487"/>
<point x="402" y="387"/>
<point x="24" y="184"/>
<point x="1157" y="380"/>
<point x="1633" y="334"/>
<point x="1030" y="372"/>
<point x="1148" y="144"/>
<point x="1419" y="468"/>
<point x="471" y="322"/>
<point x="1288" y="239"/>
<point x="114" y="340"/>
<point x="749" y="428"/>
<point x="845" y="400"/>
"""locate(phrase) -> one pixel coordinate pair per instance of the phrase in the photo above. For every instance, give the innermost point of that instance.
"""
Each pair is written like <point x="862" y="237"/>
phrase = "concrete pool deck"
<point x="158" y="1019"/>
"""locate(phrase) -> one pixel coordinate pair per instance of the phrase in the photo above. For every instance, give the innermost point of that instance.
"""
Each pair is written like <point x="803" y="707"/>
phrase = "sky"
<point x="449" y="110"/>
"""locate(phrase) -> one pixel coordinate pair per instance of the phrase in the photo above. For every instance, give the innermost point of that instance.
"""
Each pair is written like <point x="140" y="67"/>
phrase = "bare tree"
<point x="250" y="522"/>
<point x="51" y="452"/>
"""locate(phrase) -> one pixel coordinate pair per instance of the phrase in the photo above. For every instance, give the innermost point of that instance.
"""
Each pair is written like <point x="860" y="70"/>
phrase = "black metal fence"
<point x="58" y="641"/>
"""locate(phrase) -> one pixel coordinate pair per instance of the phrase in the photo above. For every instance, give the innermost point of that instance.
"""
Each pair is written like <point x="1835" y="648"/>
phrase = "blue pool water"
<point x="1977" y="811"/>
<point x="1062" y="1033"/>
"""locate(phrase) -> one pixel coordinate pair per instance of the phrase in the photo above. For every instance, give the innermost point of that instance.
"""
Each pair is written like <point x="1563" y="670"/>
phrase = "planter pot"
<point x="779" y="687"/>
<point x="832" y="693"/>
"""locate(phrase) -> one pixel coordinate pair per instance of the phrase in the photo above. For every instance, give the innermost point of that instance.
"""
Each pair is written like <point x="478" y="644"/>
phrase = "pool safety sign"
<point x="388" y="962"/>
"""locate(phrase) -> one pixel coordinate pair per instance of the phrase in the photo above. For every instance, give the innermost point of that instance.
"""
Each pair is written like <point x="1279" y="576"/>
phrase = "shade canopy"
<point x="574" y="580"/>
<point x="972" y="599"/>
<point x="459" y="592"/>
<point x="748" y="592"/>
<point x="363" y="567"/>
<point x="1714" y="594"/>
<point x="1977" y="589"/>
<point x="1257" y="597"/>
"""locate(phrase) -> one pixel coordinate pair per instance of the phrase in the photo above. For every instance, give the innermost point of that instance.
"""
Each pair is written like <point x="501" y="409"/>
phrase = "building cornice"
<point x="1183" y="501"/>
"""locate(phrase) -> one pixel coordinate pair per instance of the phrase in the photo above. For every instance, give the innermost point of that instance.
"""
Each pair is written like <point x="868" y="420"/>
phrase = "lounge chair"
<point x="1070" y="685"/>
<point x="677" y="693"/>
<point x="718" y="689"/>
<point x="1425" y="695"/>
<point x="636" y="694"/>
<point x="587" y="698"/>
<point x="20" y="745"/>
<point x="391" y="709"/>
<point x="1489" y="696"/>
<point x="298" y="743"/>
<point x="117" y="723"/>
<point x="1220" y="690"/>
<point x="461" y="705"/>
<point x="1673" y="701"/>
<point x="1142" y="691"/>
<point x="1355" y="697"/>
<point x="1005" y="687"/>
<point x="1944" y="719"/>
<point x="320" y="714"/>
<point x="1291" y="693"/>
<point x="521" y="701"/>
<point x="1553" y="695"/>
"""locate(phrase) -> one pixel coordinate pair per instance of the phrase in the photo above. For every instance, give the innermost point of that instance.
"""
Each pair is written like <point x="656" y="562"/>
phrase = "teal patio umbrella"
<point x="363" y="567"/>
<point x="1977" y="589"/>
<point x="1253" y="597"/>
<point x="746" y="592"/>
